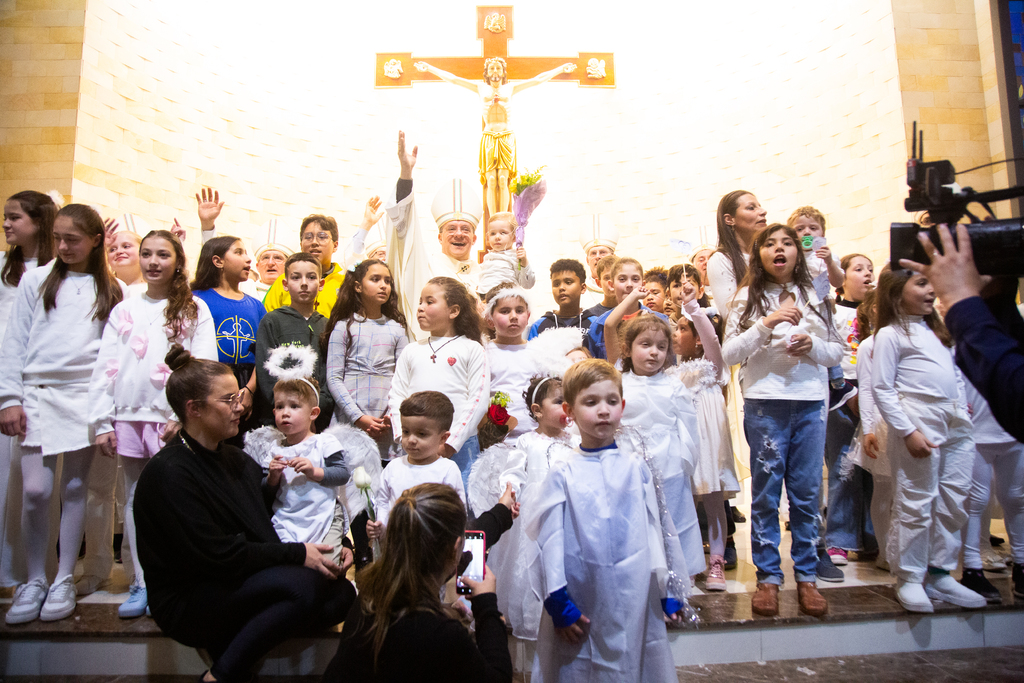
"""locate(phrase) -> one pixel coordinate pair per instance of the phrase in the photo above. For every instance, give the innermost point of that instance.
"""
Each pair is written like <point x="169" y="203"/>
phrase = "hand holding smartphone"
<point x="472" y="565"/>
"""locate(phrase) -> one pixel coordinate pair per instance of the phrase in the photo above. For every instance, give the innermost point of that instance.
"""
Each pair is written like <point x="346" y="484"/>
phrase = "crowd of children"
<point x="615" y="419"/>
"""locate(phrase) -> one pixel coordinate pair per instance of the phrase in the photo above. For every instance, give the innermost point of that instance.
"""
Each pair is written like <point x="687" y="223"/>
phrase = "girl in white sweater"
<point x="128" y="408"/>
<point x="450" y="360"/>
<point x="46" y="362"/>
<point x="28" y="229"/>
<point x="783" y="335"/>
<point x="920" y="394"/>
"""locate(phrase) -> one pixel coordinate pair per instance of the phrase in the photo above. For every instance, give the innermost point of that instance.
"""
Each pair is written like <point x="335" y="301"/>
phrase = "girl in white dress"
<point x="704" y="372"/>
<point x="516" y="558"/>
<point x="46" y="362"/>
<point x="663" y="411"/>
<point x="511" y="365"/>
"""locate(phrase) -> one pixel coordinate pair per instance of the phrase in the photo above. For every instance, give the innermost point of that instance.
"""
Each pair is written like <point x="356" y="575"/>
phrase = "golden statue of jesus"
<point x="498" y="141"/>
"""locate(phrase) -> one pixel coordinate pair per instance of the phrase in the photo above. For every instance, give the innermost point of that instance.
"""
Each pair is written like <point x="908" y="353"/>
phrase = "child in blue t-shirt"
<point x="223" y="265"/>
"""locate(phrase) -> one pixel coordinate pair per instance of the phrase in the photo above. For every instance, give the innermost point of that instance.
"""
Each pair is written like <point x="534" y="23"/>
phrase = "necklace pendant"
<point x="433" y="359"/>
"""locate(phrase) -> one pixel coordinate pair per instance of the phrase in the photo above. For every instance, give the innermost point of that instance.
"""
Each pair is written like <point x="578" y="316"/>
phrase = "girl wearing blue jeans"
<point x="784" y="337"/>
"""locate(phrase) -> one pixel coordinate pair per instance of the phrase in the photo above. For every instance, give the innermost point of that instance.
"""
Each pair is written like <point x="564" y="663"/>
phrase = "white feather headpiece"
<point x="292" y="362"/>
<point x="507" y="293"/>
<point x="57" y="198"/>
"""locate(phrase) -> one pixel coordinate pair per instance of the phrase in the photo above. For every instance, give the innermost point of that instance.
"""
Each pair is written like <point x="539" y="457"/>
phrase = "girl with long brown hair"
<point x="47" y="358"/>
<point x="129" y="409"/>
<point x="451" y="360"/>
<point x="782" y="333"/>
<point x="399" y="630"/>
<point x="28" y="229"/>
<point x="920" y="394"/>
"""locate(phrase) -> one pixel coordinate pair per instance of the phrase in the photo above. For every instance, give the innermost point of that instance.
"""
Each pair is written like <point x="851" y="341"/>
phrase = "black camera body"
<point x="998" y="245"/>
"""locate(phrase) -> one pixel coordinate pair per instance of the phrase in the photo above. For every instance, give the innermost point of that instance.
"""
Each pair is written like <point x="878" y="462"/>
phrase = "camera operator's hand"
<point x="952" y="273"/>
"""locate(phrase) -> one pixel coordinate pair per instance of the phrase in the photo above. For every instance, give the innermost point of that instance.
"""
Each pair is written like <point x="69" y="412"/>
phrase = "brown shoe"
<point x="766" y="600"/>
<point x="811" y="601"/>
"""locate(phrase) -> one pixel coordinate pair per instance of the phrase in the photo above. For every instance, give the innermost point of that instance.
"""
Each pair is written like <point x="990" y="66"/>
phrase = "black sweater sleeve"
<point x="403" y="189"/>
<point x="493" y="523"/>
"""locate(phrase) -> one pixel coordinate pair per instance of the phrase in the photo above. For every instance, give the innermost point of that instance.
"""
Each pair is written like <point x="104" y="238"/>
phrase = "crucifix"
<point x="498" y="165"/>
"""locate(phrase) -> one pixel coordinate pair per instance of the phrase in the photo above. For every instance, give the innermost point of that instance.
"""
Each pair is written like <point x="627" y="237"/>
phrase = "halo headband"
<point x="507" y="293"/>
<point x="293" y="362"/>
<point x="536" y="389"/>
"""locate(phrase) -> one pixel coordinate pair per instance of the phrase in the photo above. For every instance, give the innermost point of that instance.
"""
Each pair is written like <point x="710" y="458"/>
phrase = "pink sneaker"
<point x="839" y="557"/>
<point x="716" y="574"/>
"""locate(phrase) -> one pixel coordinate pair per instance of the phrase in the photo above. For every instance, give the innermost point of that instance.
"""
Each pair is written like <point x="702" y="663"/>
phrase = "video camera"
<point x="998" y="245"/>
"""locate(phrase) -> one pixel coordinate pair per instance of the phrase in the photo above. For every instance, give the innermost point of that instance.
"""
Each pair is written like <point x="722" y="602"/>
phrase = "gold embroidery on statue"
<point x="495" y="23"/>
<point x="393" y="68"/>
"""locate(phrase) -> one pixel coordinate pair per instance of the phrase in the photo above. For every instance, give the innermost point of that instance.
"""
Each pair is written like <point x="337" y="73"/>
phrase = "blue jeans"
<point x="848" y="524"/>
<point x="787" y="443"/>
<point x="464" y="459"/>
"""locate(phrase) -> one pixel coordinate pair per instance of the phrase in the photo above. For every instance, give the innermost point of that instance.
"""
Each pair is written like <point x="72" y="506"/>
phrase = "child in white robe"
<point x="612" y="563"/>
<point x="663" y="412"/>
<point x="516" y="559"/>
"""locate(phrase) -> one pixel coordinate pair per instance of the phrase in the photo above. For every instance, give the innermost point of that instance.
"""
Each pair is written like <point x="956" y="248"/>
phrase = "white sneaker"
<point x="944" y="587"/>
<point x="28" y="600"/>
<point x="913" y="597"/>
<point x="60" y="602"/>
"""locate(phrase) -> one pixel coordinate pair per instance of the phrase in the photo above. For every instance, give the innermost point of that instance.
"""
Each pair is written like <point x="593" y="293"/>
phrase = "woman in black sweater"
<point x="218" y="576"/>
<point x="399" y="630"/>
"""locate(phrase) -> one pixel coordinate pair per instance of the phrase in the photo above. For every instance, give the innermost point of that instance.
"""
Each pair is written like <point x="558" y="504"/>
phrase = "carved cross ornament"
<point x="494" y="28"/>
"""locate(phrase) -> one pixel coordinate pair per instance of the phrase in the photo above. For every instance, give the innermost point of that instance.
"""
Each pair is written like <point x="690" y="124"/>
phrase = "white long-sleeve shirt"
<point x="128" y="381"/>
<point x="8" y="294"/>
<point x="503" y="266"/>
<point x="459" y="372"/>
<point x="915" y="363"/>
<point x="512" y="367"/>
<point x="49" y="348"/>
<point x="769" y="372"/>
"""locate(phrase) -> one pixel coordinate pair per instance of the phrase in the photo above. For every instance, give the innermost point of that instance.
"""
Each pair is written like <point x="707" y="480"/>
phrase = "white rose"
<point x="361" y="478"/>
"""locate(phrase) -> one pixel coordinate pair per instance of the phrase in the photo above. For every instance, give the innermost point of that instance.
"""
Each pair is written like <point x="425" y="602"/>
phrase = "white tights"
<point x="38" y="474"/>
<point x="714" y="508"/>
<point x="132" y="469"/>
<point x="881" y="511"/>
<point x="1007" y="461"/>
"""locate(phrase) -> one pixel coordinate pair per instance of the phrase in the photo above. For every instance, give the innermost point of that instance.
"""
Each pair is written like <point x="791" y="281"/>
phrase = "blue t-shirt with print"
<point x="235" y="322"/>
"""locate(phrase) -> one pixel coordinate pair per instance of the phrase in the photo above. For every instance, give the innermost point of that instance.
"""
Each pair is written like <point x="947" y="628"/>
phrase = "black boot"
<point x="976" y="581"/>
<point x="1018" y="580"/>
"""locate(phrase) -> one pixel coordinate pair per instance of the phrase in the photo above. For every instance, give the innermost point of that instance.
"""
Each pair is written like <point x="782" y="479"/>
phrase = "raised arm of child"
<point x="372" y="213"/>
<point x="208" y="207"/>
<point x="613" y="348"/>
<point x="705" y="330"/>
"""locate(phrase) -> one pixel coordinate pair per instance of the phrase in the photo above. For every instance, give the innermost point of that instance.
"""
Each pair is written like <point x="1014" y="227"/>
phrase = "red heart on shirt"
<point x="451" y="361"/>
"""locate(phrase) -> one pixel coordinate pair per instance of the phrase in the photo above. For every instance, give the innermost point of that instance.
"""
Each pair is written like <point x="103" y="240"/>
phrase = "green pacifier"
<point x="807" y="241"/>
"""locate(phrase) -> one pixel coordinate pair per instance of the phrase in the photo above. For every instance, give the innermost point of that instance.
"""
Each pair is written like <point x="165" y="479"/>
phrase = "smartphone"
<point x="473" y="551"/>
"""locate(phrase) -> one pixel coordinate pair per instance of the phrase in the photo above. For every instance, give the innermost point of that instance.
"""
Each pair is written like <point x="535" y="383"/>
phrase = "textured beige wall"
<point x="799" y="101"/>
<point x="40" y="63"/>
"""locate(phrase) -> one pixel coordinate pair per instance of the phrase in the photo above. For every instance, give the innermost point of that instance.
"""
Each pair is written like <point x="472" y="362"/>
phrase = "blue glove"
<point x="561" y="608"/>
<point x="670" y="606"/>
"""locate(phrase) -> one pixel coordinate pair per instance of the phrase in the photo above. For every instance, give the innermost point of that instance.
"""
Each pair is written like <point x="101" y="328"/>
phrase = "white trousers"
<point x="1006" y="462"/>
<point x="929" y="504"/>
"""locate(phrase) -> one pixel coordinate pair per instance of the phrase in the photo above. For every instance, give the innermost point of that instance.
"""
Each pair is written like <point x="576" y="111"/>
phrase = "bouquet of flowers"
<point x="497" y="423"/>
<point x="530" y="188"/>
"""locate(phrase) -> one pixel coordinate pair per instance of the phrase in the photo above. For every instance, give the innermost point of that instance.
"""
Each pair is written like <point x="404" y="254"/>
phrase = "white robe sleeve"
<point x="515" y="469"/>
<point x="399" y="391"/>
<point x="545" y="524"/>
<point x="686" y="424"/>
<point x="408" y="255"/>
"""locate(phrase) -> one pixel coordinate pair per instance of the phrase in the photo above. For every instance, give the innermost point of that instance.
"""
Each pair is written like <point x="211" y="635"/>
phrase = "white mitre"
<point x="131" y="223"/>
<point x="375" y="238"/>
<point x="456" y="201"/>
<point x="270" y="229"/>
<point x="598" y="230"/>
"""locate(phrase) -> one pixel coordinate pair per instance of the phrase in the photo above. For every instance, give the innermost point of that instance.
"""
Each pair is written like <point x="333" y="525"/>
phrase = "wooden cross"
<point x="494" y="28"/>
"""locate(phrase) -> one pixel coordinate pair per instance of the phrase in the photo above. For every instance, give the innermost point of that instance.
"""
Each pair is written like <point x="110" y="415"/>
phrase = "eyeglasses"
<point x="232" y="400"/>
<point x="317" y="237"/>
